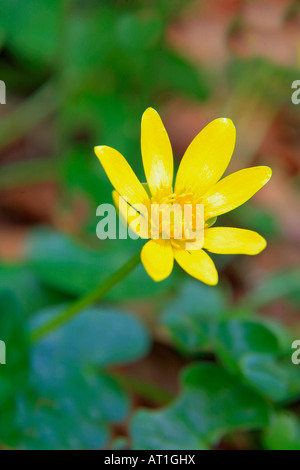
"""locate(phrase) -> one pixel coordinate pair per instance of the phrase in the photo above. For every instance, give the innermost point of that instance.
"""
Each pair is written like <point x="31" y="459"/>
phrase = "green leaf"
<point x="212" y="404"/>
<point x="49" y="427"/>
<point x="253" y="349"/>
<point x="29" y="292"/>
<point x="238" y="338"/>
<point x="75" y="270"/>
<point x="14" y="373"/>
<point x="283" y="433"/>
<point x="5" y="389"/>
<point x="278" y="380"/>
<point x="98" y="336"/>
<point x="192" y="317"/>
<point x="9" y="432"/>
<point x="70" y="403"/>
<point x="14" y="333"/>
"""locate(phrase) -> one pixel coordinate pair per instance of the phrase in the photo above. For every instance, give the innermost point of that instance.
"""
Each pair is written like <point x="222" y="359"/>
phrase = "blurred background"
<point x="173" y="365"/>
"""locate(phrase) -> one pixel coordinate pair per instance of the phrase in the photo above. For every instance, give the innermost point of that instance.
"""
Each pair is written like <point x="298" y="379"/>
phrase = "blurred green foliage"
<point x="256" y="376"/>
<point x="212" y="403"/>
<point x="93" y="67"/>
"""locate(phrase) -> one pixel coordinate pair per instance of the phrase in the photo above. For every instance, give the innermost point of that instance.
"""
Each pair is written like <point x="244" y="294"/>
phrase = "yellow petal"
<point x="158" y="259"/>
<point x="127" y="214"/>
<point x="156" y="152"/>
<point x="198" y="264"/>
<point x="122" y="176"/>
<point x="207" y="157"/>
<point x="232" y="241"/>
<point x="123" y="209"/>
<point x="234" y="190"/>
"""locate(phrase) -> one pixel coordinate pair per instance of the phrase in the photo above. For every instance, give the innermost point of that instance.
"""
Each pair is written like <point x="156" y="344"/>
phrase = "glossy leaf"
<point x="238" y="338"/>
<point x="95" y="336"/>
<point x="278" y="380"/>
<point x="73" y="269"/>
<point x="211" y="404"/>
<point x="70" y="402"/>
<point x="283" y="433"/>
<point x="254" y="350"/>
<point x="193" y="316"/>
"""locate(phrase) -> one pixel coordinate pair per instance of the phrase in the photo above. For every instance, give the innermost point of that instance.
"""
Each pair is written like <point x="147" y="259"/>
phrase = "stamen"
<point x="168" y="224"/>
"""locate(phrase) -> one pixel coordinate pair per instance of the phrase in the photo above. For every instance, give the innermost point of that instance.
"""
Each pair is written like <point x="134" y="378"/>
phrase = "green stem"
<point x="82" y="303"/>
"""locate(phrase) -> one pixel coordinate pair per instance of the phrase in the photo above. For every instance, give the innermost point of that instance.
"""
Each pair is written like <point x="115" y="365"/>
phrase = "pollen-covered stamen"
<point x="161" y="198"/>
<point x="174" y="216"/>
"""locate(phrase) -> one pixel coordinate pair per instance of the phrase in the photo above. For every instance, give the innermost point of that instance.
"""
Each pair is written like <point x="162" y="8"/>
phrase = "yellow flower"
<point x="197" y="182"/>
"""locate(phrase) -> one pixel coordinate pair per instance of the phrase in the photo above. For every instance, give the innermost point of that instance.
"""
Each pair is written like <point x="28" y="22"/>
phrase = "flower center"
<point x="176" y="217"/>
